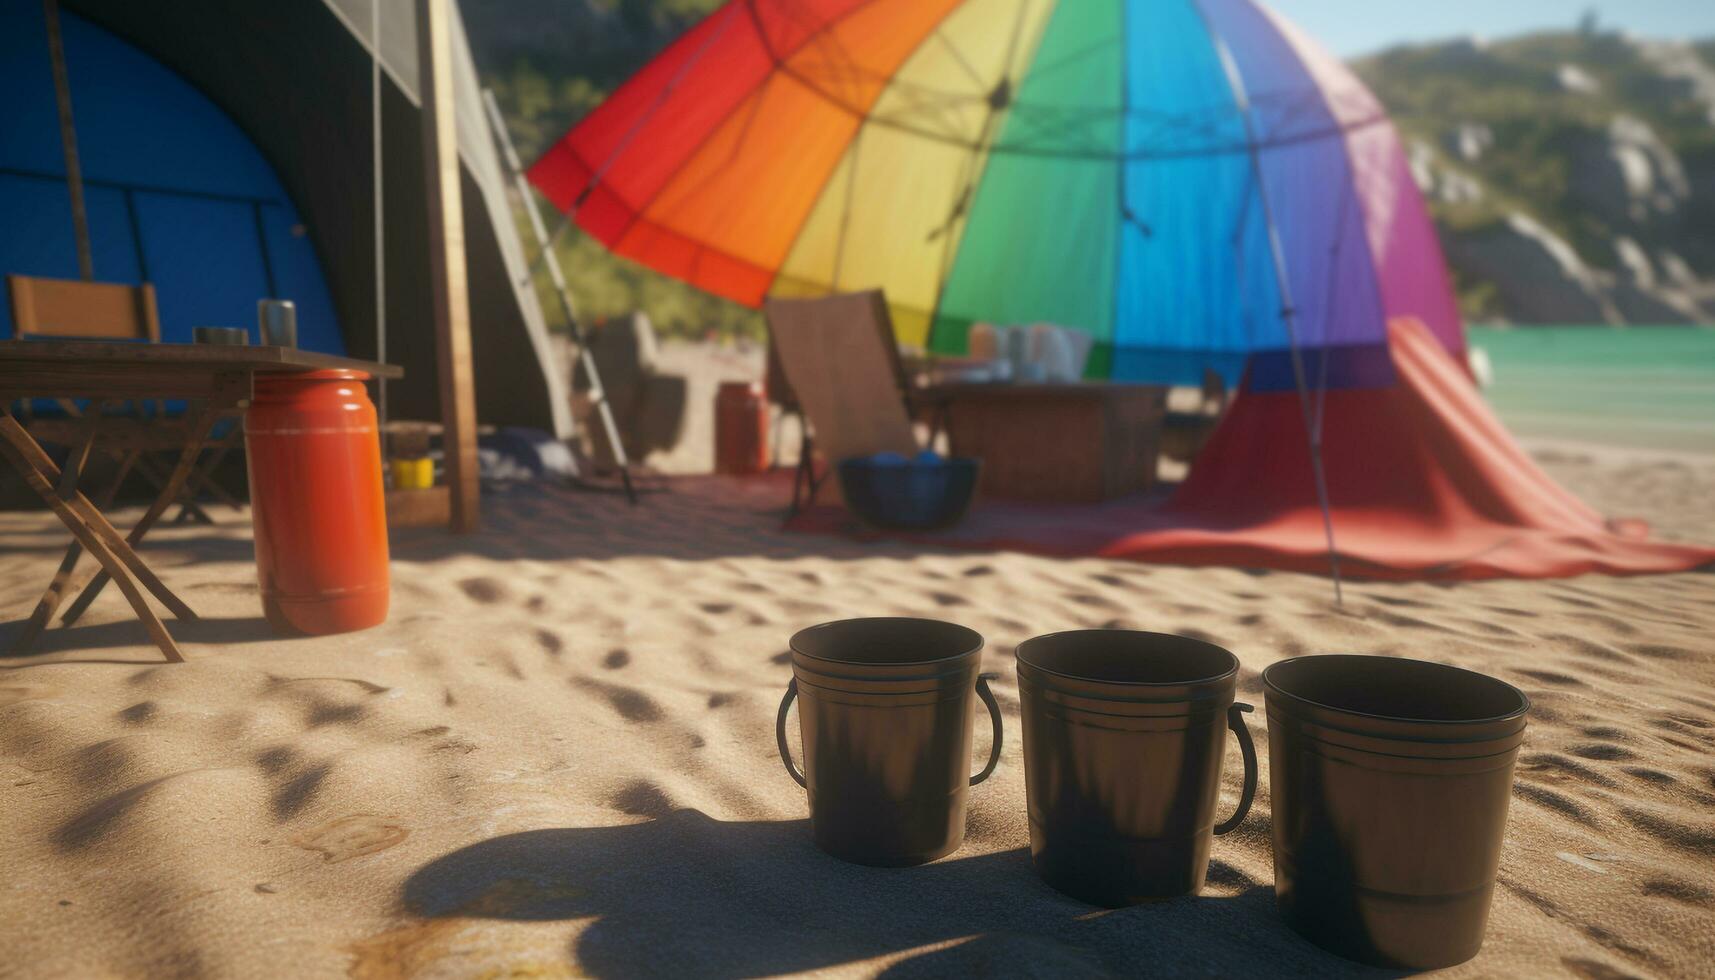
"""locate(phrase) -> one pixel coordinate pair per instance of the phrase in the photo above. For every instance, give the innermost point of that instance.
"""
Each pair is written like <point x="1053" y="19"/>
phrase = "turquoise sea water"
<point x="1642" y="387"/>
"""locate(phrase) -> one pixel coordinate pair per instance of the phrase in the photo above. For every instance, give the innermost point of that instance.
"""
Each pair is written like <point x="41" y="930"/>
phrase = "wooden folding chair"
<point x="60" y="309"/>
<point x="840" y="367"/>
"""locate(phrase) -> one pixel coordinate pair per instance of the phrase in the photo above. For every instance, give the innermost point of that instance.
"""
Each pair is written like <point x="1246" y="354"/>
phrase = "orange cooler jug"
<point x="316" y="502"/>
<point x="741" y="429"/>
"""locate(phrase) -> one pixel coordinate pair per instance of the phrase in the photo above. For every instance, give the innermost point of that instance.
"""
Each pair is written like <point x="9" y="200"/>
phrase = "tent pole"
<point x="1288" y="313"/>
<point x="449" y="286"/>
<point x="68" y="139"/>
<point x="527" y="200"/>
<point x="377" y="191"/>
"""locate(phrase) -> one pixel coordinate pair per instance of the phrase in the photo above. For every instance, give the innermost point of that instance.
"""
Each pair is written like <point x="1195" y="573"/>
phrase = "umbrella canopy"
<point x="1192" y="182"/>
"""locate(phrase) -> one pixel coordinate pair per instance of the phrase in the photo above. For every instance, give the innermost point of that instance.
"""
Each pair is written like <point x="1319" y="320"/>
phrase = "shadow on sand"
<point x="130" y="633"/>
<point x="687" y="895"/>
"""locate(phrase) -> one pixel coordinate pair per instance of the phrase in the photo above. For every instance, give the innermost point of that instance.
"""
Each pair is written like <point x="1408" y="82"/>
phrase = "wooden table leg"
<point x="197" y="433"/>
<point x="92" y="518"/>
<point x="69" y="477"/>
<point x="188" y="508"/>
<point x="13" y="441"/>
<point x="202" y="479"/>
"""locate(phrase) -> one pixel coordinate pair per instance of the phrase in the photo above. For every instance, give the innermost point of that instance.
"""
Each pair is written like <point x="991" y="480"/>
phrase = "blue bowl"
<point x="910" y="495"/>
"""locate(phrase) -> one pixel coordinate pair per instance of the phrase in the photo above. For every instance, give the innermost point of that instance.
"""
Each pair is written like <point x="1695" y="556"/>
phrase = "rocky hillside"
<point x="1572" y="174"/>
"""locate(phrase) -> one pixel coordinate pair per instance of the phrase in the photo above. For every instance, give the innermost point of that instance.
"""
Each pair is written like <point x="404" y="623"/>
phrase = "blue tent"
<point x="230" y="152"/>
<point x="176" y="194"/>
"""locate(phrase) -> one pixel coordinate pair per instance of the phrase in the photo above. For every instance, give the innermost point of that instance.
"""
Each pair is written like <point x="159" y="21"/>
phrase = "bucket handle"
<point x="994" y="715"/>
<point x="994" y="750"/>
<point x="1236" y="721"/>
<point x="780" y="734"/>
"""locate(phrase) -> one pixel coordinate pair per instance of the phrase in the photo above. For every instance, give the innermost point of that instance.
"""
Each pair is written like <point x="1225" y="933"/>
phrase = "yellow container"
<point x="413" y="474"/>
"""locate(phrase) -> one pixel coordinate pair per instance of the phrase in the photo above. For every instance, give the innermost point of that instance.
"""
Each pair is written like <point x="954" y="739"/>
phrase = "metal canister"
<point x="741" y="429"/>
<point x="1390" y="781"/>
<point x="317" y="502"/>
<point x="885" y="708"/>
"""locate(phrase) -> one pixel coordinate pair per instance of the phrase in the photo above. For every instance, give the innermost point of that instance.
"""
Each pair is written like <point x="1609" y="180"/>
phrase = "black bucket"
<point x="1390" y="782"/>
<point x="1124" y="738"/>
<point x="885" y="708"/>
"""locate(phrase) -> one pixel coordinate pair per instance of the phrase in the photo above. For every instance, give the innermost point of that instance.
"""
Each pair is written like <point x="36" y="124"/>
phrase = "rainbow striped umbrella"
<point x="1192" y="182"/>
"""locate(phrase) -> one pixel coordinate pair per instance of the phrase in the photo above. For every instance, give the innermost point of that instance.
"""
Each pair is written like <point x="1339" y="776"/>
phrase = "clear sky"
<point x="1354" y="27"/>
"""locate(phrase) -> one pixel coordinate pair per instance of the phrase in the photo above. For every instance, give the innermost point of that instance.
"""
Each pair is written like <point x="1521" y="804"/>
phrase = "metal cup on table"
<point x="220" y="335"/>
<point x="278" y="321"/>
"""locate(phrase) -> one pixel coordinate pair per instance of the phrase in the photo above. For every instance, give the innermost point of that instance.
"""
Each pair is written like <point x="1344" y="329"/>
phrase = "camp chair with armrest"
<point x="60" y="309"/>
<point x="839" y="360"/>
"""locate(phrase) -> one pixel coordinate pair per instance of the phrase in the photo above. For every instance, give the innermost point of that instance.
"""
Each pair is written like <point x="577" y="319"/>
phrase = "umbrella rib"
<point x="959" y="56"/>
<point x="846" y="211"/>
<point x="673" y="83"/>
<point x="966" y="194"/>
<point x="630" y="134"/>
<point x="1076" y="57"/>
<point x="1121" y="198"/>
<point x="863" y="120"/>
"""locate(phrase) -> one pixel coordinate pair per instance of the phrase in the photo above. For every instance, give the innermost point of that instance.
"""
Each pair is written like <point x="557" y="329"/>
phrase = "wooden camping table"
<point x="1081" y="442"/>
<point x="217" y="379"/>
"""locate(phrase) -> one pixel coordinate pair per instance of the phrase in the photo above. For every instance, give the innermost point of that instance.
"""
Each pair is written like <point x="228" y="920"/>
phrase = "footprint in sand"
<point x="1398" y="601"/>
<point x="1603" y="752"/>
<point x="1661" y="652"/>
<point x="1552" y="767"/>
<point x="1092" y="600"/>
<point x="1543" y="796"/>
<point x="1588" y="648"/>
<point x="483" y="590"/>
<point x="1679" y="891"/>
<point x="138" y="713"/>
<point x="1553" y="677"/>
<point x="550" y="642"/>
<point x="1653" y="776"/>
<point x="352" y="836"/>
<point x="642" y="798"/>
<point x="1696" y="838"/>
<point x="632" y="704"/>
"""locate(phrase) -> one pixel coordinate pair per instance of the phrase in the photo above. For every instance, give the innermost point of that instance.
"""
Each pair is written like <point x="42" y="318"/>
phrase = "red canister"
<point x="741" y="429"/>
<point x="316" y="502"/>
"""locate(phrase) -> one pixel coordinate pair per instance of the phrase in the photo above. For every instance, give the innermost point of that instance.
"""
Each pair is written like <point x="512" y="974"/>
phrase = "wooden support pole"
<point x="68" y="140"/>
<point x="447" y="276"/>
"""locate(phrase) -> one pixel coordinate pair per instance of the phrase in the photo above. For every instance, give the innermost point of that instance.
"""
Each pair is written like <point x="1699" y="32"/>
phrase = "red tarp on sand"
<point x="1425" y="483"/>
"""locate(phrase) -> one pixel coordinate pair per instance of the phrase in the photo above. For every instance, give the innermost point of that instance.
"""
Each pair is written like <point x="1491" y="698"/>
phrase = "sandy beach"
<point x="556" y="758"/>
